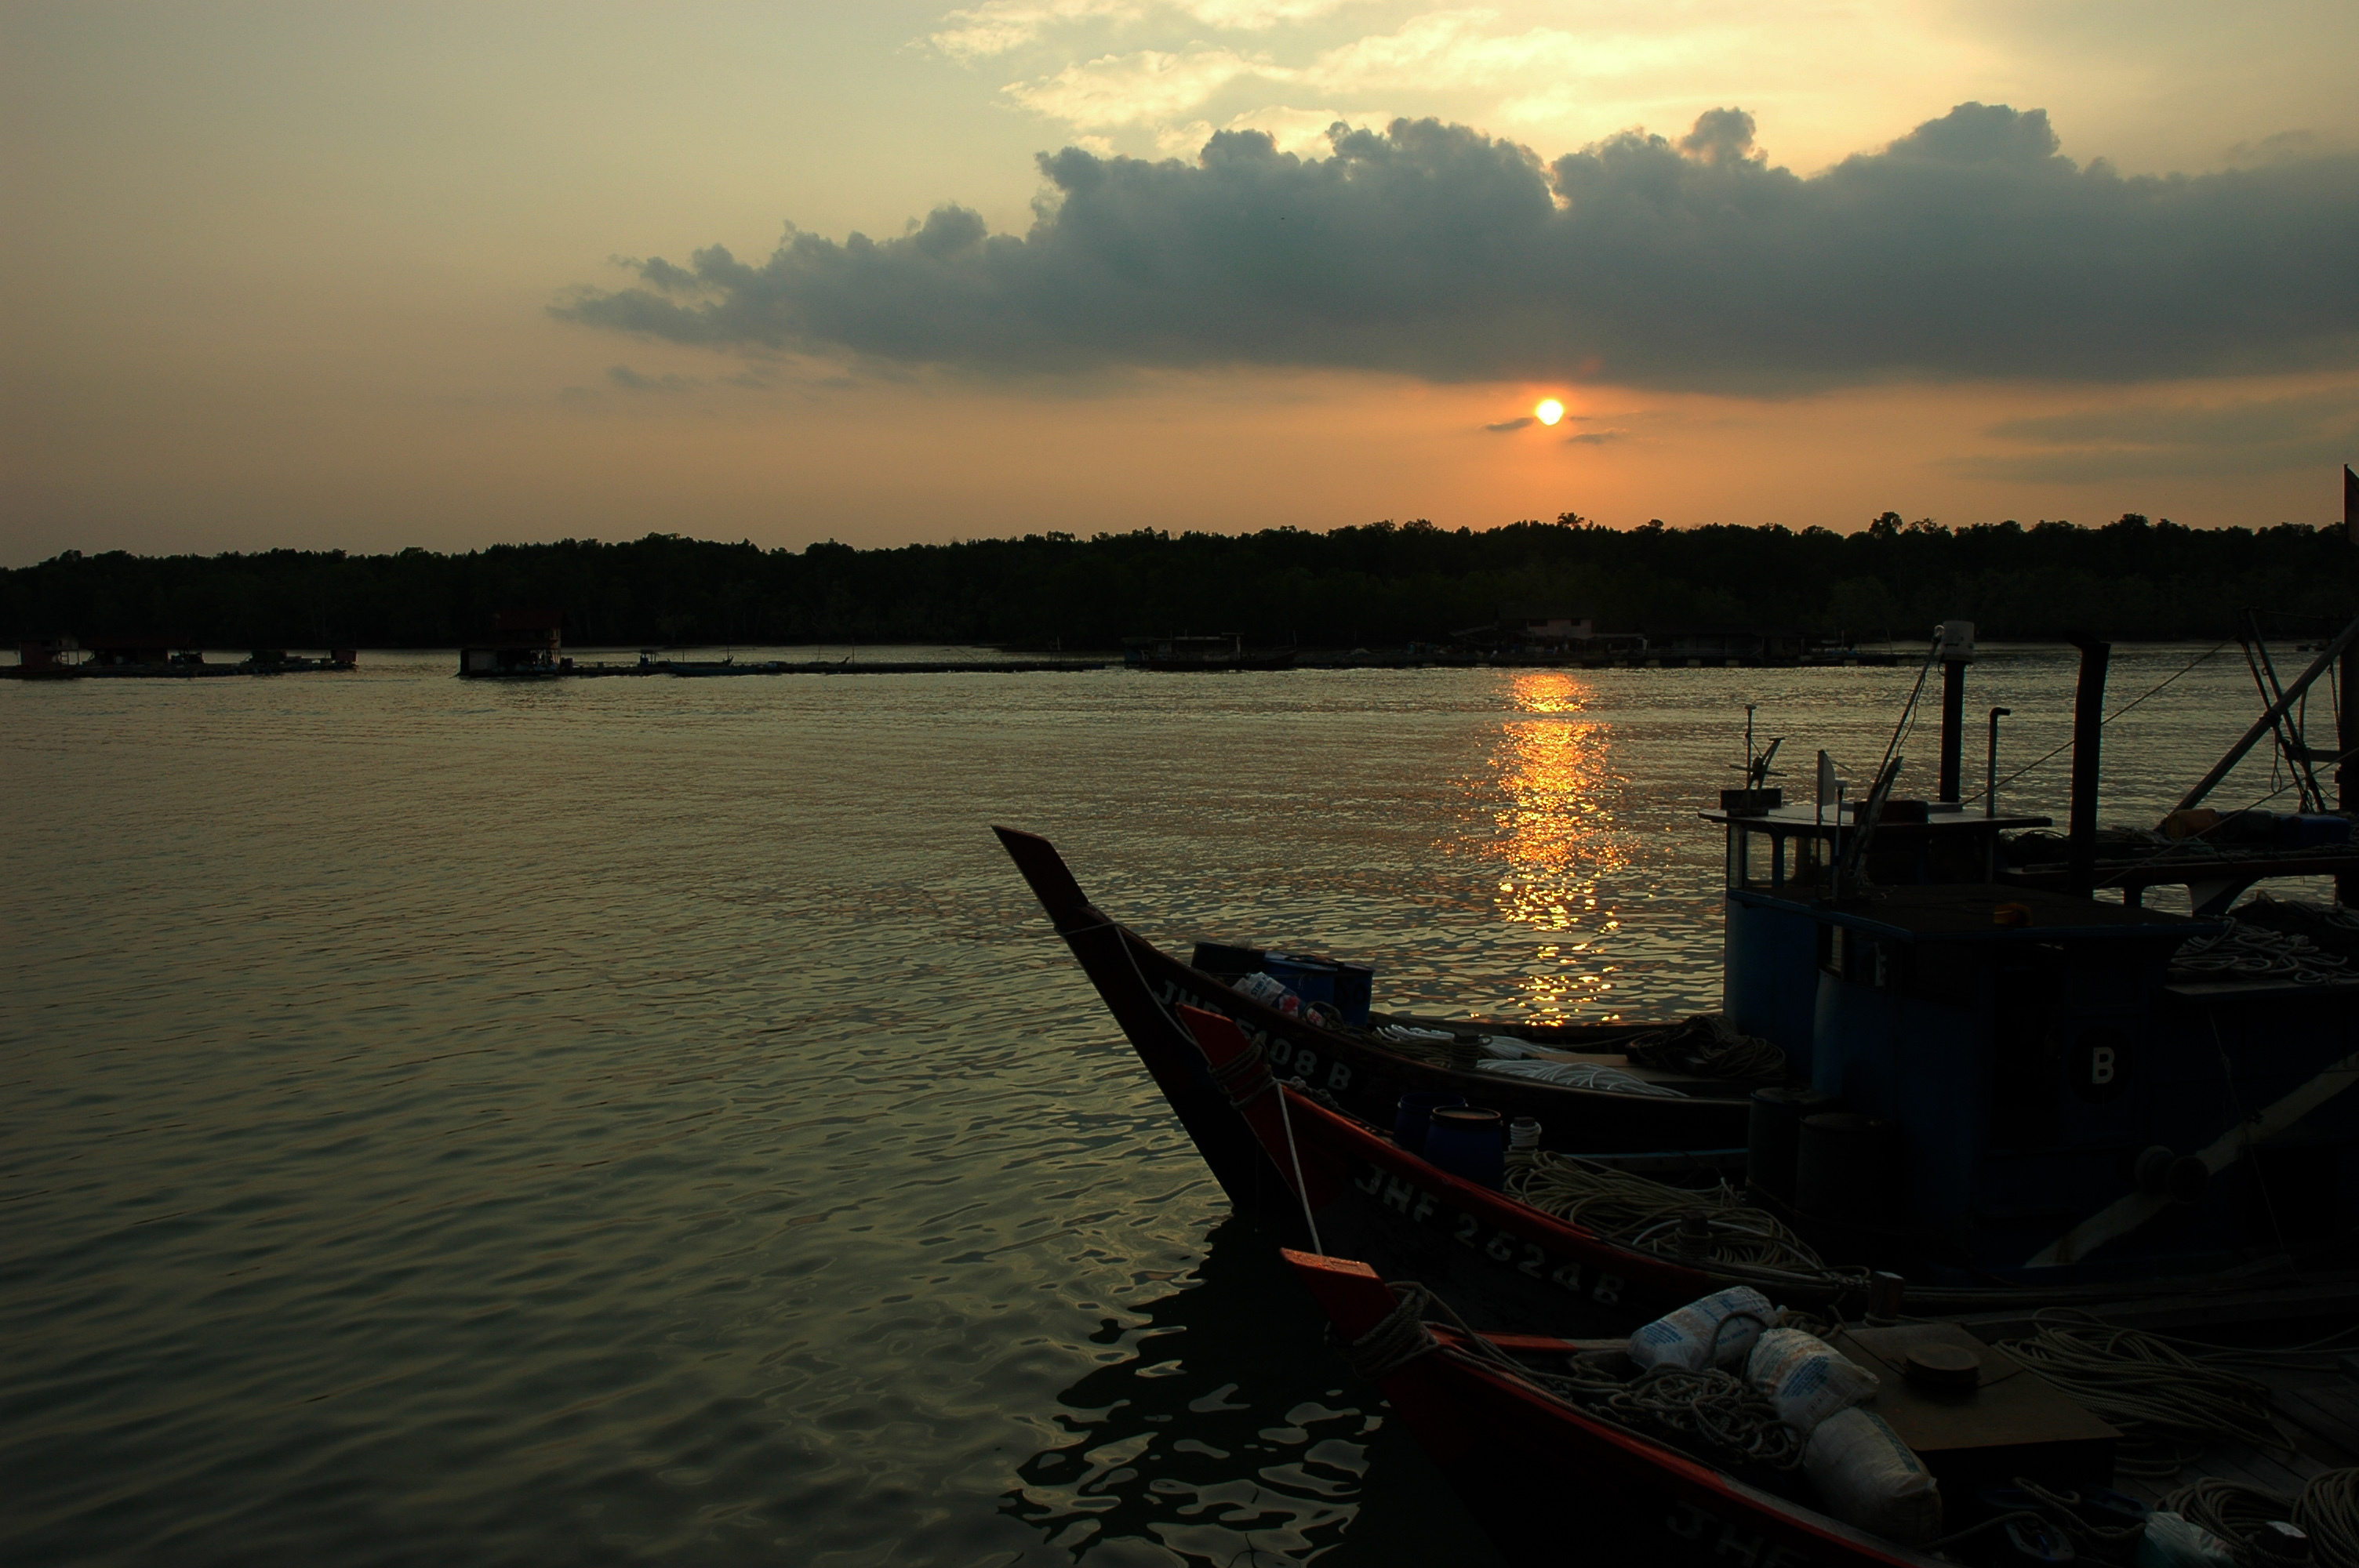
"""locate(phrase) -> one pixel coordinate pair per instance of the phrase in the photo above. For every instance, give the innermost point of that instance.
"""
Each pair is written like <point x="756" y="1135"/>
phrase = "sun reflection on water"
<point x="1555" y="800"/>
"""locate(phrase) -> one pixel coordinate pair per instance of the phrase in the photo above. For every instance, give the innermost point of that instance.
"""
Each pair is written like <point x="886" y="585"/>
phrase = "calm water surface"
<point x="649" y="1120"/>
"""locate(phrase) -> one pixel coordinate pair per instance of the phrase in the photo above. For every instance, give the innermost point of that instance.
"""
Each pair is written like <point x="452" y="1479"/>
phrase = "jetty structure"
<point x="153" y="657"/>
<point x="1571" y="639"/>
<point x="1194" y="653"/>
<point x="528" y="645"/>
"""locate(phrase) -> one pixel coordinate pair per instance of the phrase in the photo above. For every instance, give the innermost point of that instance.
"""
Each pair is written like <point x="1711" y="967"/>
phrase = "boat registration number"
<point x="1422" y="1206"/>
<point x="1301" y="1061"/>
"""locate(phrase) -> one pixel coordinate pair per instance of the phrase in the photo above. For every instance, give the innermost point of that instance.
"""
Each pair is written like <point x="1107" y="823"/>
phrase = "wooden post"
<point x="1954" y="728"/>
<point x="2347" y="772"/>
<point x="2088" y="723"/>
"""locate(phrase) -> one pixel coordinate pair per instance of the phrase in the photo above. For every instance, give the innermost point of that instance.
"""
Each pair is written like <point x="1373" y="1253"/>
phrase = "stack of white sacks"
<point x="1864" y="1473"/>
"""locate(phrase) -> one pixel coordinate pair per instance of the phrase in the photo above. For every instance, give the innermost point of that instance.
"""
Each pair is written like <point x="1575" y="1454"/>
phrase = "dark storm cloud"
<point x="2260" y="436"/>
<point x="1966" y="248"/>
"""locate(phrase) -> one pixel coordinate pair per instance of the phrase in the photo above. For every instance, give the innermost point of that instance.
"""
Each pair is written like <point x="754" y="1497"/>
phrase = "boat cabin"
<point x="520" y="642"/>
<point x="1780" y="859"/>
<point x="1745" y="645"/>
<point x="138" y="652"/>
<point x="47" y="656"/>
<point x="1998" y="1075"/>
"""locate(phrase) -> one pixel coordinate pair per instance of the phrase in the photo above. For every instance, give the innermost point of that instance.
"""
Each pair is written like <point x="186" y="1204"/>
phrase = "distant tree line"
<point x="1383" y="584"/>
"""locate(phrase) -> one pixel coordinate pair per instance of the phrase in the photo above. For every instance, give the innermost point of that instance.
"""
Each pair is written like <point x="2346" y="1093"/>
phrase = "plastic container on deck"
<point x="1348" y="988"/>
<point x="1414" y="1114"/>
<point x="2312" y="830"/>
<point x="1468" y="1141"/>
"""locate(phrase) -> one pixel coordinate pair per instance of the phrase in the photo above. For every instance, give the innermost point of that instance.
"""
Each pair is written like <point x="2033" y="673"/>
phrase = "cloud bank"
<point x="998" y="26"/>
<point x="2315" y="429"/>
<point x="1967" y="248"/>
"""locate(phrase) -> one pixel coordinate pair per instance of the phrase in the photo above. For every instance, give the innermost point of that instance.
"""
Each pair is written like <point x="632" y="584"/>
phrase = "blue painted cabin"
<point x="2056" y="1098"/>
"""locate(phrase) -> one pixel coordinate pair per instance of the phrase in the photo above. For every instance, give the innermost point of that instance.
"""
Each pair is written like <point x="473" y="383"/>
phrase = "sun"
<point x="1549" y="410"/>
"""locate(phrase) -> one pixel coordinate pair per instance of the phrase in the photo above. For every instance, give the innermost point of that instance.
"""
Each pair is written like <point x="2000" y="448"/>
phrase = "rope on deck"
<point x="1399" y="1337"/>
<point x="2328" y="1512"/>
<point x="1716" y="1225"/>
<point x="1713" y="1415"/>
<point x="1709" y="1046"/>
<point x="2256" y="953"/>
<point x="2169" y="1406"/>
<point x="2243" y="1516"/>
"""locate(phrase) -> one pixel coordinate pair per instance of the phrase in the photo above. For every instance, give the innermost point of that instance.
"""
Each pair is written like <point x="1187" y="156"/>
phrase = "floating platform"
<point x="700" y="668"/>
<point x="1669" y="661"/>
<point x="173" y="671"/>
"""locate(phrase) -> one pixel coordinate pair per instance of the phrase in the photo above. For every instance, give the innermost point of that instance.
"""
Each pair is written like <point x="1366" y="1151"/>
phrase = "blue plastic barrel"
<point x="1414" y="1114"/>
<point x="1468" y="1141"/>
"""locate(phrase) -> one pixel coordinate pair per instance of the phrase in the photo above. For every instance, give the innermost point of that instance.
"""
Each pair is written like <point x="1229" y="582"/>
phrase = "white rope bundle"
<point x="2245" y="952"/>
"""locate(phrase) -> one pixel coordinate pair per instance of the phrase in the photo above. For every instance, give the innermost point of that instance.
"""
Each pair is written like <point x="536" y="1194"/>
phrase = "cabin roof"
<point x="1963" y="912"/>
<point x="1804" y="819"/>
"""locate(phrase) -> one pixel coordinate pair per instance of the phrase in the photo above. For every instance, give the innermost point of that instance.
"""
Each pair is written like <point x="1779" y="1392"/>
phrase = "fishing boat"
<point x="2008" y="1100"/>
<point x="1528" y="1250"/>
<point x="1621" y="1089"/>
<point x="2064" y="1164"/>
<point x="1144" y="988"/>
<point x="2018" y="1428"/>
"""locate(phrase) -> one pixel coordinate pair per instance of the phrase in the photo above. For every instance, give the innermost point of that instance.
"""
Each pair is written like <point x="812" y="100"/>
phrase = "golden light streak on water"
<point x="1559" y="835"/>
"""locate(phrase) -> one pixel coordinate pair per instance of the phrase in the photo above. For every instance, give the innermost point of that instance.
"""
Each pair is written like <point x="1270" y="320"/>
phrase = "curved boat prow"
<point x="1051" y="881"/>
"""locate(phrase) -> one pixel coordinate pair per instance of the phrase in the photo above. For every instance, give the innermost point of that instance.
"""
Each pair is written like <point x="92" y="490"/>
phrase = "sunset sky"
<point x="363" y="277"/>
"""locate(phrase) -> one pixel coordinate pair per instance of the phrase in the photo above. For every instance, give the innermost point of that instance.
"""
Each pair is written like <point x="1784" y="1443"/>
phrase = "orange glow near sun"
<point x="1549" y="410"/>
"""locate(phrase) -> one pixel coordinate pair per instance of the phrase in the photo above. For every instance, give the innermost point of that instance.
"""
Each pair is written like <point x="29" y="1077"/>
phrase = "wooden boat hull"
<point x="1549" y="1483"/>
<point x="1541" y="1475"/>
<point x="1505" y="1265"/>
<point x="1144" y="988"/>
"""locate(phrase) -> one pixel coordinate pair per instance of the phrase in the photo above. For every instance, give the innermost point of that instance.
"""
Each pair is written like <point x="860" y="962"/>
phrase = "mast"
<point x="2267" y="722"/>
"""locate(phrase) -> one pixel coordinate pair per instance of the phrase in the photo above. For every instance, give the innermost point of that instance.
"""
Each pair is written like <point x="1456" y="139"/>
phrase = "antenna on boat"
<point x="1756" y="770"/>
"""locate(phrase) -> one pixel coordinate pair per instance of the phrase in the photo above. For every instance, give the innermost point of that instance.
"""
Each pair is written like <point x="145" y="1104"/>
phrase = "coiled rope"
<point x="2245" y="952"/>
<point x="2170" y="1407"/>
<point x="1709" y="1046"/>
<point x="2100" y="1542"/>
<point x="1399" y="1337"/>
<point x="1717" y="1411"/>
<point x="2328" y="1512"/>
<point x="2241" y="1516"/>
<point x="2332" y="916"/>
<point x="1706" y="1045"/>
<point x="1243" y="1077"/>
<point x="1713" y="1415"/>
<point x="1715" y="1224"/>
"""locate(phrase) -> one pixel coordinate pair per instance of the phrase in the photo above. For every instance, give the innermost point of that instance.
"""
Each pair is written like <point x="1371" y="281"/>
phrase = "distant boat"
<point x="1226" y="650"/>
